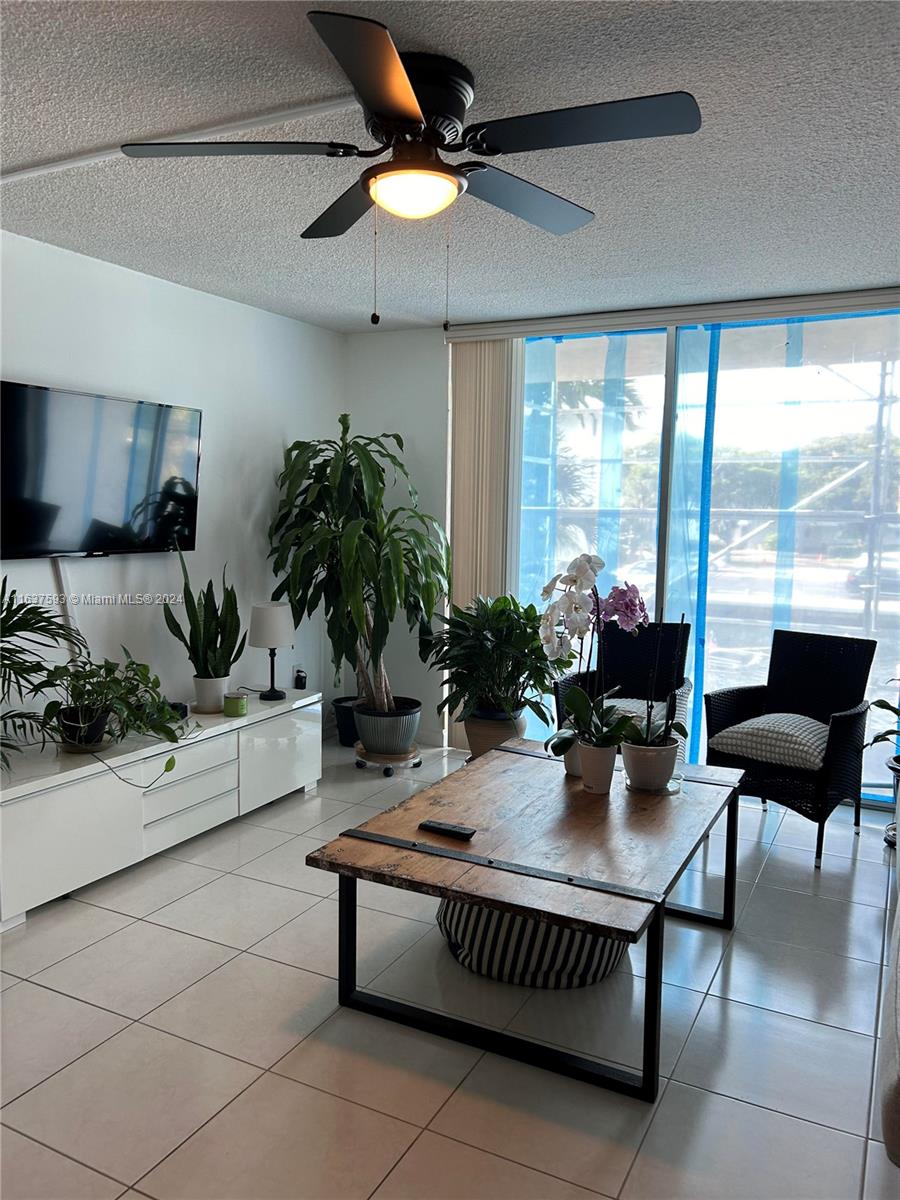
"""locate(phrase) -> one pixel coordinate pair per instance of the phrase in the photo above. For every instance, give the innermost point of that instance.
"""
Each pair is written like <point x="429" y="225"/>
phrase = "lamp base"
<point x="272" y="694"/>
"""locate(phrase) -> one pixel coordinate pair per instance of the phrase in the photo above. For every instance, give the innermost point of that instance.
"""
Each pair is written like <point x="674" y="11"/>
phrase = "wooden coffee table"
<point x="544" y="849"/>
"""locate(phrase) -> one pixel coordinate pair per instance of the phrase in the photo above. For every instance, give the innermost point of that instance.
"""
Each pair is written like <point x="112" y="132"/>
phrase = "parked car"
<point x="861" y="576"/>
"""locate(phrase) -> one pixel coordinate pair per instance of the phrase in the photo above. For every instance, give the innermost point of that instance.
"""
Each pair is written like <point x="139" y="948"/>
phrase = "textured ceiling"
<point x="790" y="186"/>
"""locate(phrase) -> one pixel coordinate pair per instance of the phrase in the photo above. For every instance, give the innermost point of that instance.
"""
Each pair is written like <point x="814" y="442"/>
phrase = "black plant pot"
<point x="389" y="732"/>
<point x="345" y="720"/>
<point x="76" y="732"/>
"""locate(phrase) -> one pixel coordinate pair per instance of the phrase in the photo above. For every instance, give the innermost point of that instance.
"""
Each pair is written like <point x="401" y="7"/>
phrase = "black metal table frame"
<point x="643" y="1084"/>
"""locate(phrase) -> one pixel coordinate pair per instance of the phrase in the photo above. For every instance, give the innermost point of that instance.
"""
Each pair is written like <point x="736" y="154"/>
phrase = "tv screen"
<point x="84" y="474"/>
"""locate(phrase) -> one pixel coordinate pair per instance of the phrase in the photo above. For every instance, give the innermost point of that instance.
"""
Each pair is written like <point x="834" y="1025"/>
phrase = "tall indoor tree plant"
<point x="335" y="542"/>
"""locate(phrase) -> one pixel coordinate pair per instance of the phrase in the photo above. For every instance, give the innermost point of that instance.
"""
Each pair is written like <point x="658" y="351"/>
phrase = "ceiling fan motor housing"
<point x="444" y="89"/>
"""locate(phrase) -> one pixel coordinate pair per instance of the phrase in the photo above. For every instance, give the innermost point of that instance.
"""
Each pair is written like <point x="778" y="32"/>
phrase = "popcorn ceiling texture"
<point x="791" y="185"/>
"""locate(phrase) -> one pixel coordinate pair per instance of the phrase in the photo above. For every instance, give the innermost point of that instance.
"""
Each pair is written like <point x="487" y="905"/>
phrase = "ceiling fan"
<point x="415" y="107"/>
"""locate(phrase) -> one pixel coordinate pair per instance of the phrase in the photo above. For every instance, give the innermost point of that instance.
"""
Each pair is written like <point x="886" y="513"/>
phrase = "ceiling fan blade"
<point x="524" y="199"/>
<point x="221" y="149"/>
<point x="342" y="214"/>
<point x="615" y="121"/>
<point x="368" y="57"/>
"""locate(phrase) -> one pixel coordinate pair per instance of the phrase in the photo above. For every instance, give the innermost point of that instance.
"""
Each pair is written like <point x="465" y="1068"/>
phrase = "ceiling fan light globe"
<point x="413" y="192"/>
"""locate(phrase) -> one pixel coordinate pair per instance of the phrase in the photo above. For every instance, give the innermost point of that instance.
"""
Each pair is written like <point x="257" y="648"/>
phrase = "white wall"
<point x="399" y="383"/>
<point x="260" y="379"/>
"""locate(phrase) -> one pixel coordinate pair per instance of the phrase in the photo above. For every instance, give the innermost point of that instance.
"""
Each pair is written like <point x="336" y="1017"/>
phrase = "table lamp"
<point x="271" y="625"/>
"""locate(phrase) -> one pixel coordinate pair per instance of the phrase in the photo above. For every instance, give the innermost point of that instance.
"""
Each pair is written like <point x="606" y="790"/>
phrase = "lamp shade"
<point x="271" y="625"/>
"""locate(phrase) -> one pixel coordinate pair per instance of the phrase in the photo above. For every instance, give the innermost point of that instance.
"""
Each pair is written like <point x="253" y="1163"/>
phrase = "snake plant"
<point x="214" y="641"/>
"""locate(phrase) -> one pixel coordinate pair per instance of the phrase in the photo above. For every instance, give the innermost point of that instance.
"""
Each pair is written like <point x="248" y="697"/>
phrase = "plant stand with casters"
<point x="387" y="763"/>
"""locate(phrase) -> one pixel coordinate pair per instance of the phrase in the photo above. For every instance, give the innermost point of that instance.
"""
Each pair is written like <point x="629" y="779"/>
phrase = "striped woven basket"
<point x="515" y="949"/>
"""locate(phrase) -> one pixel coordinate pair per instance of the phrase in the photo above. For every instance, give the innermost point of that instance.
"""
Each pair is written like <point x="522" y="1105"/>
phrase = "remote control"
<point x="461" y="832"/>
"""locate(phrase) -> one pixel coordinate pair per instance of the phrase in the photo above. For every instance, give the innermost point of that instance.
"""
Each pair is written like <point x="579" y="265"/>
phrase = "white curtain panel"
<point x="485" y="386"/>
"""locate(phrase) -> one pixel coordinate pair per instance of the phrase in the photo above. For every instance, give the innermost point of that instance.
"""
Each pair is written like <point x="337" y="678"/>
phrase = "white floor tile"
<point x="755" y="823"/>
<point x="310" y="940"/>
<point x="840" y="838"/>
<point x="399" y="901"/>
<point x="838" y="878"/>
<point x="234" y="911"/>
<point x="428" y="975"/>
<point x="691" y="954"/>
<point x="876" y="1129"/>
<point x="710" y="857"/>
<point x="828" y="988"/>
<point x="815" y="923"/>
<point x="43" y="1031"/>
<point x="700" y="889"/>
<point x="398" y="1071"/>
<point x="439" y="768"/>
<point x="53" y="932"/>
<point x="400" y="789"/>
<point x="228" y="847"/>
<point x="436" y="1168"/>
<point x="283" y="1141"/>
<point x="348" y="818"/>
<point x="128" y="1103"/>
<point x="347" y="783"/>
<point x="295" y="814"/>
<point x="606" y="1020"/>
<point x="253" y="1008"/>
<point x="136" y="969"/>
<point x="8" y="981"/>
<point x="705" y="1147"/>
<point x="286" y="866"/>
<point x="781" y="1063"/>
<point x="29" y="1171"/>
<point x="575" y="1131"/>
<point x="882" y="1176"/>
<point x="146" y="886"/>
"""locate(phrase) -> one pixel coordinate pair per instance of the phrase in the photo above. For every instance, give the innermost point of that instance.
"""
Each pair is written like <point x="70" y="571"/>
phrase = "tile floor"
<point x="174" y="1033"/>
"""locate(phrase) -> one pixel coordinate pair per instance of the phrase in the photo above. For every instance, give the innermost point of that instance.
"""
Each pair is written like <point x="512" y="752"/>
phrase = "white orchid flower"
<point x="578" y="623"/>
<point x="550" y="587"/>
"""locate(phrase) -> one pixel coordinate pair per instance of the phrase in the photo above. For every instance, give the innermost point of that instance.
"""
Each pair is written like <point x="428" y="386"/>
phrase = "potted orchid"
<point x="574" y="619"/>
<point x="649" y="745"/>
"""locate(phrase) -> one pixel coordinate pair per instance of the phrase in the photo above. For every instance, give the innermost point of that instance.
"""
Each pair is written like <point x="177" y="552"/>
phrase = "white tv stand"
<point x="67" y="820"/>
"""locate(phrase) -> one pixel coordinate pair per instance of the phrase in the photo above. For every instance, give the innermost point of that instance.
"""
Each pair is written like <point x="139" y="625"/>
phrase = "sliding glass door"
<point x="782" y="487"/>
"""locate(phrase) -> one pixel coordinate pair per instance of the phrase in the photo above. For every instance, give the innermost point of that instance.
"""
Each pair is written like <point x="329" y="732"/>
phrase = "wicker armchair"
<point x="628" y="663"/>
<point x="813" y="675"/>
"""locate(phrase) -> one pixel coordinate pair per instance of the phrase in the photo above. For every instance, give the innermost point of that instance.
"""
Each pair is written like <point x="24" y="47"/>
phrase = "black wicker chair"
<point x="628" y="663"/>
<point x="814" y="675"/>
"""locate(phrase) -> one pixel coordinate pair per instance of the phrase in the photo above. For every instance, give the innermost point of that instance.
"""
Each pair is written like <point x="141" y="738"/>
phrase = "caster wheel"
<point x="417" y="764"/>
<point x="388" y="772"/>
<point x="360" y="766"/>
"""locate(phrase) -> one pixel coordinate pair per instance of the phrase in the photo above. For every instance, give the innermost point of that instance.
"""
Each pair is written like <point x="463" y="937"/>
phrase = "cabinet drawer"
<point x="191" y="760"/>
<point x="55" y="841"/>
<point x="183" y="825"/>
<point x="165" y="799"/>
<point x="280" y="755"/>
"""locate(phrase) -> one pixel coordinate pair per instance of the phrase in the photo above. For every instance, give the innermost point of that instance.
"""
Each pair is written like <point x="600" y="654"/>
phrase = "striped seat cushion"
<point x="638" y="708"/>
<point x="786" y="739"/>
<point x="515" y="949"/>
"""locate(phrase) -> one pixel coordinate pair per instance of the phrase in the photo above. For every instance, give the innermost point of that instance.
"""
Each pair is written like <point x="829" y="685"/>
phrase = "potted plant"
<point x="26" y="630"/>
<point x="649" y="750"/>
<point x="577" y="615"/>
<point x="890" y="734"/>
<point x="103" y="702"/>
<point x="495" y="667"/>
<point x="597" y="729"/>
<point x="338" y="544"/>
<point x="214" y="642"/>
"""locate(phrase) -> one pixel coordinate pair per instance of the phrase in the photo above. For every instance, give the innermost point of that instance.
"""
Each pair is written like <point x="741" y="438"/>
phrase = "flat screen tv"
<point x="85" y="474"/>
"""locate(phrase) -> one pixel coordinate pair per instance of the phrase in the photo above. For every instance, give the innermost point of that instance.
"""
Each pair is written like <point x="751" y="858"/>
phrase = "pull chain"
<point x="375" y="317"/>
<point x="447" y="273"/>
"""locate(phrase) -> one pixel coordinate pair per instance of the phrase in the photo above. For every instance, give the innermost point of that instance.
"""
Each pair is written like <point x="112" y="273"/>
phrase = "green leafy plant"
<point x="122" y="698"/>
<point x="591" y="722"/>
<point x="892" y="732"/>
<point x="26" y="632"/>
<point x="657" y="733"/>
<point x="338" y="545"/>
<point x="214" y="641"/>
<point x="494" y="659"/>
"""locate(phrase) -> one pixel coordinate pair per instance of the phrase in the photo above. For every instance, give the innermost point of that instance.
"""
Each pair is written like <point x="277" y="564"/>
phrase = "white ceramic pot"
<point x="597" y="766"/>
<point x="650" y="768"/>
<point x="210" y="694"/>
<point x="572" y="759"/>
